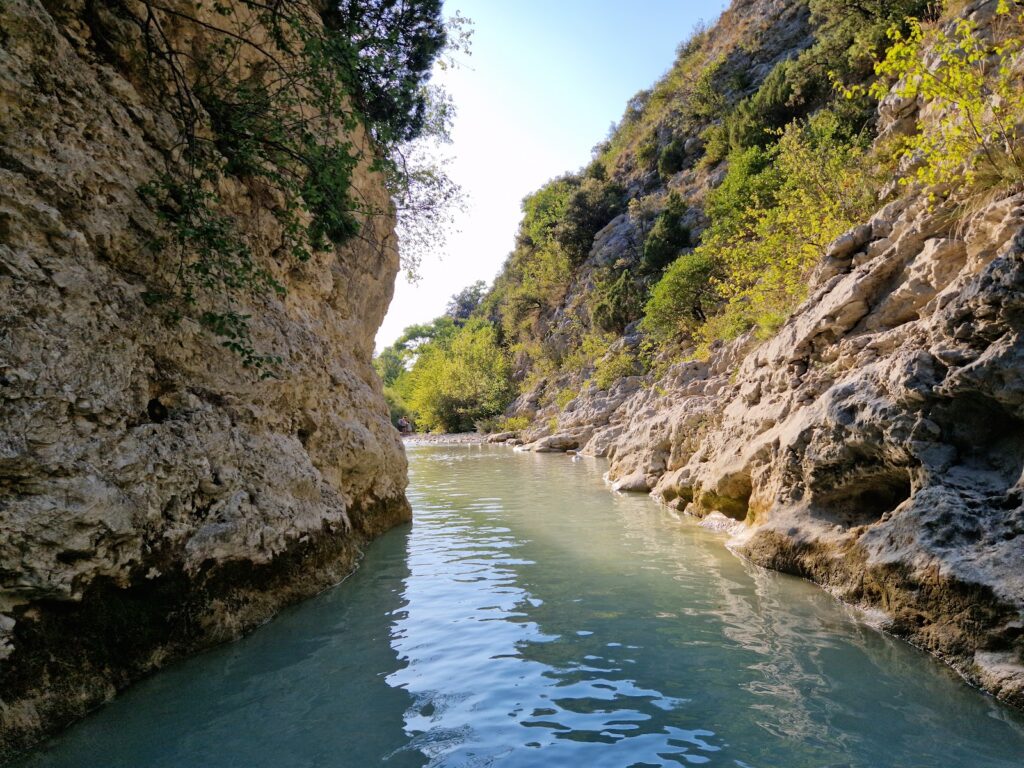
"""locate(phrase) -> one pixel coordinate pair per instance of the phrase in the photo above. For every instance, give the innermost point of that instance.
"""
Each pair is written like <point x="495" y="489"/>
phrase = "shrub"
<point x="564" y="397"/>
<point x="590" y="207"/>
<point x="974" y="97"/>
<point x="672" y="158"/>
<point x="667" y="237"/>
<point x="614" y="366"/>
<point x="772" y="218"/>
<point x="683" y="298"/>
<point x="617" y="300"/>
<point x="751" y="123"/>
<point x="513" y="424"/>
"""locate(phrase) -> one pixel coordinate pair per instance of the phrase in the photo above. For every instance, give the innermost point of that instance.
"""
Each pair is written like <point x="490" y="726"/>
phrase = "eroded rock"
<point x="154" y="496"/>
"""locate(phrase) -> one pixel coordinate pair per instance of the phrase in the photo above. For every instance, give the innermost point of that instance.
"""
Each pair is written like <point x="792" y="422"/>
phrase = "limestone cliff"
<point x="873" y="444"/>
<point x="155" y="496"/>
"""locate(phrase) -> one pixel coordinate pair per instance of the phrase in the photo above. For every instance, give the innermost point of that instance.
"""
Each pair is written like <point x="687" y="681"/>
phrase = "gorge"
<point x="785" y="298"/>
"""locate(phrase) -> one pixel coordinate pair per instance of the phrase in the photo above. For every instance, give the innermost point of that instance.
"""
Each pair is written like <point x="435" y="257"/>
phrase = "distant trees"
<point x="465" y="302"/>
<point x="454" y="385"/>
<point x="448" y="374"/>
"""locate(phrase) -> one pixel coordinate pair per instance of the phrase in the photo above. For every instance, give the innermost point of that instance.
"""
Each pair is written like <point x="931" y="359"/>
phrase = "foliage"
<point x="394" y="360"/>
<point x="667" y="237"/>
<point x="617" y="300"/>
<point x="824" y="189"/>
<point x="513" y="424"/>
<point x="387" y="56"/>
<point x="753" y="121"/>
<point x="271" y="99"/>
<point x="557" y="231"/>
<point x="614" y="365"/>
<point x="975" y="102"/>
<point x="398" y="408"/>
<point x="389" y="365"/>
<point x="849" y="35"/>
<point x="588" y="209"/>
<point x="672" y="158"/>
<point x="772" y="218"/>
<point x="453" y="385"/>
<point x="683" y="298"/>
<point x="564" y="397"/>
<point x="446" y="376"/>
<point x="464" y="303"/>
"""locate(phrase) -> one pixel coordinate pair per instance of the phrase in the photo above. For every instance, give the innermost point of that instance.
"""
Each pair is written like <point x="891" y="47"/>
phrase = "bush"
<point x="614" y="366"/>
<point x="667" y="237"/>
<point x="513" y="424"/>
<point x="683" y="298"/>
<point x="672" y="158"/>
<point x="564" y="397"/>
<point x="590" y="207"/>
<point x="772" y="218"/>
<point x="754" y="120"/>
<point x="617" y="301"/>
<point x="975" y="96"/>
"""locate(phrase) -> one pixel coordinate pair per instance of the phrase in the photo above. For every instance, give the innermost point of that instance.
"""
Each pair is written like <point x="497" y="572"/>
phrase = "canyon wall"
<point x="156" y="496"/>
<point x="874" y="443"/>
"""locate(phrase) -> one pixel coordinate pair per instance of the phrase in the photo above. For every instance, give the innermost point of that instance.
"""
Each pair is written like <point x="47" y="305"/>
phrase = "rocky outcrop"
<point x="875" y="444"/>
<point x="155" y="497"/>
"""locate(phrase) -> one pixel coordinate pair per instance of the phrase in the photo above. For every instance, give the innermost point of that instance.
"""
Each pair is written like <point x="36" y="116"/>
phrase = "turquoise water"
<point x="531" y="618"/>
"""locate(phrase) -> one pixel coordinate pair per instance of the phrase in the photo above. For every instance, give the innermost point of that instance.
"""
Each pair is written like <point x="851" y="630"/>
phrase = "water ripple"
<point x="530" y="619"/>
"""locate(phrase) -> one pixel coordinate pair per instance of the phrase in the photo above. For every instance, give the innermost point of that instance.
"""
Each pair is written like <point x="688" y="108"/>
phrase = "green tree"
<point x="592" y="205"/>
<point x="464" y="303"/>
<point x="683" y="298"/>
<point x="463" y="380"/>
<point x="667" y="237"/>
<point x="617" y="300"/>
<point x="389" y="364"/>
<point x="389" y="52"/>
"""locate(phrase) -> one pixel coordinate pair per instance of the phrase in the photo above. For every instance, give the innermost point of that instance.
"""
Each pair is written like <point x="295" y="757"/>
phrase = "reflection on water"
<point x="531" y="618"/>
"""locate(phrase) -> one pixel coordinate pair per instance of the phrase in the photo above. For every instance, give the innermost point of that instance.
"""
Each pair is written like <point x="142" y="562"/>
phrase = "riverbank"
<point x="528" y="617"/>
<point x="427" y="438"/>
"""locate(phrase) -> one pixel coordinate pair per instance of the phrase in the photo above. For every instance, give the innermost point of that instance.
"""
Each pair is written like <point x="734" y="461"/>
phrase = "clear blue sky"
<point x="545" y="80"/>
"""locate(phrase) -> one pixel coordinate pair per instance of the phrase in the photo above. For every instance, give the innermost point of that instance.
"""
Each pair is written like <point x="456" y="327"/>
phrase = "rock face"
<point x="876" y="444"/>
<point x="154" y="497"/>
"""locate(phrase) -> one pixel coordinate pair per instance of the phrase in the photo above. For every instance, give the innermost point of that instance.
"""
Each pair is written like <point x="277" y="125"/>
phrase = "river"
<point x="529" y="617"/>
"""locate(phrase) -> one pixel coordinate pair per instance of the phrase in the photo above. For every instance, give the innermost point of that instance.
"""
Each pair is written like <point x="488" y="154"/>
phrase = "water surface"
<point x="529" y="617"/>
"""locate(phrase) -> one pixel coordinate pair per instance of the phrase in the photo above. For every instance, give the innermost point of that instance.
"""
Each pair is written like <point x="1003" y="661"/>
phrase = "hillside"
<point x="784" y="297"/>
